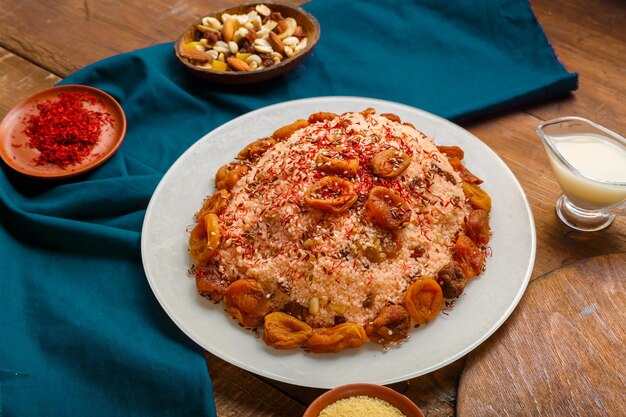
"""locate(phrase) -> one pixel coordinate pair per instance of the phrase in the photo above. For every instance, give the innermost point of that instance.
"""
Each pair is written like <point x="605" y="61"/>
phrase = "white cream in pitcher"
<point x="596" y="158"/>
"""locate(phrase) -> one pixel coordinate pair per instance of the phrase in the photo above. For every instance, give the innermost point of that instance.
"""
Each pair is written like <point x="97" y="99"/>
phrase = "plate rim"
<point x="440" y="120"/>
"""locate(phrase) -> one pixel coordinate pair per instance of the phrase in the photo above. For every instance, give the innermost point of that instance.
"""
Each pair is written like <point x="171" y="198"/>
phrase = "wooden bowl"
<point x="309" y="24"/>
<point x="402" y="403"/>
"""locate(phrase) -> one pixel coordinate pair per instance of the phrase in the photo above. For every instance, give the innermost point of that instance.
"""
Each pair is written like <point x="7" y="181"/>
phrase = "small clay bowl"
<point x="402" y="403"/>
<point x="309" y="24"/>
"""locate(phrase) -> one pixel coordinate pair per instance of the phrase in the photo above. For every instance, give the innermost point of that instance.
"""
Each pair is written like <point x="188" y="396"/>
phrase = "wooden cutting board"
<point x="561" y="353"/>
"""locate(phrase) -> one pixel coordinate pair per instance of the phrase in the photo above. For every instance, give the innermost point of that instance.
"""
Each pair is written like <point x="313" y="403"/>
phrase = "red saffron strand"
<point x="65" y="131"/>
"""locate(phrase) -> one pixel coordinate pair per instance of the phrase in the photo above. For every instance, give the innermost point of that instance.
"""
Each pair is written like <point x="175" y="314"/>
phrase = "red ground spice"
<point x="65" y="131"/>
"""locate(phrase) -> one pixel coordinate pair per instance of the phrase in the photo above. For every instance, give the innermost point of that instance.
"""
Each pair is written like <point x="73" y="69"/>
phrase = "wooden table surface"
<point x="42" y="42"/>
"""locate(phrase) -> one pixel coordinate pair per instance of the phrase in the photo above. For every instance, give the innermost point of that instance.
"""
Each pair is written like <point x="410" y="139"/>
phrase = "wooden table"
<point x="42" y="42"/>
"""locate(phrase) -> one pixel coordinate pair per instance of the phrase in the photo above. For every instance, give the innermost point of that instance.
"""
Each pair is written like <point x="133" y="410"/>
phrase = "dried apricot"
<point x="392" y="117"/>
<point x="477" y="227"/>
<point x="332" y="194"/>
<point x="204" y="239"/>
<point x="228" y="175"/>
<point x="283" y="331"/>
<point x="477" y="197"/>
<point x="321" y="116"/>
<point x="211" y="284"/>
<point x="214" y="204"/>
<point x="451" y="151"/>
<point x="423" y="300"/>
<point x="466" y="174"/>
<point x="336" y="338"/>
<point x="246" y="302"/>
<point x="469" y="256"/>
<point x="390" y="163"/>
<point x="285" y="132"/>
<point x="391" y="325"/>
<point x="387" y="208"/>
<point x="254" y="150"/>
<point x="330" y="163"/>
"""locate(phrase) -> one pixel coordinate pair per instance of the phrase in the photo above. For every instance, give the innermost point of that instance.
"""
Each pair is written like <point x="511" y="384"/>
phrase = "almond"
<point x="196" y="55"/>
<point x="237" y="64"/>
<point x="276" y="43"/>
<point x="228" y="30"/>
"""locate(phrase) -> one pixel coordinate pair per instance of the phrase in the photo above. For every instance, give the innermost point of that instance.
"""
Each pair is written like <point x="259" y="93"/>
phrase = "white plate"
<point x="487" y="302"/>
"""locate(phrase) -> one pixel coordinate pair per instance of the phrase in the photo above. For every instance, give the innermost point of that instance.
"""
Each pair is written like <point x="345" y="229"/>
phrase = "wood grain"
<point x="20" y="79"/>
<point x="561" y="352"/>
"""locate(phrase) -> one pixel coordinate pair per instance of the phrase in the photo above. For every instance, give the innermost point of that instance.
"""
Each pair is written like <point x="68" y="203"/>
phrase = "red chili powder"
<point x="65" y="131"/>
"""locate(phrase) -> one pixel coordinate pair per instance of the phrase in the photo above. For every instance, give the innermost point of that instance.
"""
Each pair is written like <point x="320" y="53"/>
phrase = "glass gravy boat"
<point x="589" y="162"/>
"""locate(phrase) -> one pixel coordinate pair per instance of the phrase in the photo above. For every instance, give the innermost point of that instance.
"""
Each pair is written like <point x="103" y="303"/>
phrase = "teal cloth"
<point x="80" y="331"/>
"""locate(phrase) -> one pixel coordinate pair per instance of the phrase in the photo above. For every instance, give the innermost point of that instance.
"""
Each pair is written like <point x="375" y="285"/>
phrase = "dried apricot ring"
<point x="368" y="112"/>
<point x="477" y="197"/>
<point x="477" y="227"/>
<point x="330" y="163"/>
<point x="469" y="256"/>
<point x="204" y="239"/>
<point x="332" y="194"/>
<point x="321" y="116"/>
<point x="390" y="163"/>
<point x="210" y="283"/>
<point x="246" y="302"/>
<point x="423" y="300"/>
<point x="387" y="208"/>
<point x="285" y="132"/>
<point x="391" y="325"/>
<point x="451" y="151"/>
<point x="336" y="338"/>
<point x="283" y="331"/>
<point x="466" y="174"/>
<point x="392" y="117"/>
<point x="253" y="151"/>
<point x="214" y="204"/>
<point x="228" y="175"/>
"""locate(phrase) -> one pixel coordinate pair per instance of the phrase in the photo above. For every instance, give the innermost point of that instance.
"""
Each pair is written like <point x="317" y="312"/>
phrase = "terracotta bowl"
<point x="402" y="403"/>
<point x="309" y="24"/>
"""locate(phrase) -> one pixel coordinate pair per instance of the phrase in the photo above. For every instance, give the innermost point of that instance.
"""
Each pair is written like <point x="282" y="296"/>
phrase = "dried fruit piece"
<point x="337" y="338"/>
<point x="332" y="194"/>
<point x="387" y="208"/>
<point x="390" y="163"/>
<point x="466" y="174"/>
<point x="451" y="280"/>
<point x="246" y="302"/>
<point x="283" y="331"/>
<point x="391" y="325"/>
<point x="423" y="300"/>
<point x="392" y="117"/>
<point x="469" y="256"/>
<point x="451" y="151"/>
<point x="211" y="284"/>
<point x="213" y="204"/>
<point x="253" y="151"/>
<point x="205" y="239"/>
<point x="228" y="175"/>
<point x="321" y="116"/>
<point x="477" y="227"/>
<point x="285" y="132"/>
<point x="329" y="163"/>
<point x="368" y="112"/>
<point x="477" y="196"/>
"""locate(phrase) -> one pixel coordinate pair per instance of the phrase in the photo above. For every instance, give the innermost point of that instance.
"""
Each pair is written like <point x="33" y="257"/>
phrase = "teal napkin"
<point x="80" y="331"/>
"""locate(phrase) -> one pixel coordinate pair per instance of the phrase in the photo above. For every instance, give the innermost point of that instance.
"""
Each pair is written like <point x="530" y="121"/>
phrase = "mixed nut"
<point x="251" y="41"/>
